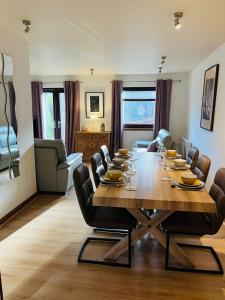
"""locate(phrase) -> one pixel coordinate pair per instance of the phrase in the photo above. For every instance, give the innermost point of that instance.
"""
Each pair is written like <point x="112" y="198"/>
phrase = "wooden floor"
<point x="38" y="260"/>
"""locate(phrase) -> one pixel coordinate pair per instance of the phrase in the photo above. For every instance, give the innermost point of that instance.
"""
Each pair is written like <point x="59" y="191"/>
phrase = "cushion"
<point x="4" y="153"/>
<point x="3" y="136"/>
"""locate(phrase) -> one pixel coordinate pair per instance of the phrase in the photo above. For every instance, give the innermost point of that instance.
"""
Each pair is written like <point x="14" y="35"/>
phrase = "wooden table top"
<point x="152" y="192"/>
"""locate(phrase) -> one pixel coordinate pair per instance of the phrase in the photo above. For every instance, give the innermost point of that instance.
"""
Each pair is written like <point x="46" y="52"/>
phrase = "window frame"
<point x="138" y="126"/>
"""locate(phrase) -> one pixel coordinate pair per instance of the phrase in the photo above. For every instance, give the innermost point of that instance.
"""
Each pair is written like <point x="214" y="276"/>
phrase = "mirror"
<point x="9" y="151"/>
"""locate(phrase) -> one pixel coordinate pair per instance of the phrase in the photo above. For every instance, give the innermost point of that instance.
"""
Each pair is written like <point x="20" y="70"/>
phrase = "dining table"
<point x="152" y="193"/>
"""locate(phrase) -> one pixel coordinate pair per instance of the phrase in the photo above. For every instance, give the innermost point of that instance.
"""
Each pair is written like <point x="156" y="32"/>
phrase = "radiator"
<point x="185" y="146"/>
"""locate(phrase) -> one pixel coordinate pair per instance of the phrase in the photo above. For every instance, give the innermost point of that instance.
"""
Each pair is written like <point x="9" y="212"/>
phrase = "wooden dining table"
<point x="152" y="193"/>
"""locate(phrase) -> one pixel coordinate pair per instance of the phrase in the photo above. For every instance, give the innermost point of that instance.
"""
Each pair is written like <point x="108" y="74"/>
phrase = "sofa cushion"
<point x="4" y="153"/>
<point x="3" y="136"/>
<point x="71" y="160"/>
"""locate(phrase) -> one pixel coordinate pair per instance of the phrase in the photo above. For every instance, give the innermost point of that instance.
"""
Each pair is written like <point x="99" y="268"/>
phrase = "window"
<point x="53" y="112"/>
<point x="138" y="107"/>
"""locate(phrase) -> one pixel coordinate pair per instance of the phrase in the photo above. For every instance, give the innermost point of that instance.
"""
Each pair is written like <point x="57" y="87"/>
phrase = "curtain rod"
<point x="143" y="81"/>
<point x="179" y="80"/>
<point x="58" y="82"/>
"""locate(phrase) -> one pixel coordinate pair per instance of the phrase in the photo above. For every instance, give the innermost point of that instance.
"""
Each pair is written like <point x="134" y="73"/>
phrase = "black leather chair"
<point x="101" y="217"/>
<point x="97" y="167"/>
<point x="189" y="223"/>
<point x="104" y="152"/>
<point x="192" y="158"/>
<point x="1" y="292"/>
<point x="98" y="170"/>
<point x="202" y="168"/>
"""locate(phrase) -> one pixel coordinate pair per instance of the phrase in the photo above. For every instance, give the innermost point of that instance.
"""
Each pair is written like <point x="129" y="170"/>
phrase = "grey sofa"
<point x="4" y="152"/>
<point x="164" y="138"/>
<point x="54" y="169"/>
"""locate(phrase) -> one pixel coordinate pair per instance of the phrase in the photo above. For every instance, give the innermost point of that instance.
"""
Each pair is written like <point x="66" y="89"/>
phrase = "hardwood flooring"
<point x="38" y="260"/>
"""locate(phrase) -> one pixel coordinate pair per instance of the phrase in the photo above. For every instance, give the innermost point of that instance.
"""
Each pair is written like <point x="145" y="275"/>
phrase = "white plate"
<point x="186" y="167"/>
<point x="173" y="157"/>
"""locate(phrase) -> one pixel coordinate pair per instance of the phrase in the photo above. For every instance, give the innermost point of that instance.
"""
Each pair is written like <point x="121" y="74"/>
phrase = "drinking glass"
<point x="165" y="176"/>
<point x="162" y="154"/>
<point x="134" y="150"/>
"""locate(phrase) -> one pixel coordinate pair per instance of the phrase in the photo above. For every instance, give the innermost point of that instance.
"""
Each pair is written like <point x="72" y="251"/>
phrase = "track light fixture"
<point x="160" y="69"/>
<point x="178" y="15"/>
<point x="27" y="25"/>
<point x="92" y="72"/>
<point x="163" y="60"/>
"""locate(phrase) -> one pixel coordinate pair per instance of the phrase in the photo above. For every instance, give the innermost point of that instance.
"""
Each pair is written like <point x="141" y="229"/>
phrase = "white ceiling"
<point x="115" y="36"/>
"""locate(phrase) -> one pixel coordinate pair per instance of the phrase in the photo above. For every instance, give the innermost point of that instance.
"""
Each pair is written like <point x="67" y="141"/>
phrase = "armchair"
<point x="164" y="138"/>
<point x="54" y="169"/>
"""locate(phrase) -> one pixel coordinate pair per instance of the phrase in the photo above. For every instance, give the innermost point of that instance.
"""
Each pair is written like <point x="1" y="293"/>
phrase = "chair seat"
<point x="112" y="217"/>
<point x="188" y="223"/>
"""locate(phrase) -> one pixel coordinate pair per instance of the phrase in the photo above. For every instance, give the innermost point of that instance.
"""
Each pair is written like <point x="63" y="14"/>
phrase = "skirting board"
<point x="17" y="209"/>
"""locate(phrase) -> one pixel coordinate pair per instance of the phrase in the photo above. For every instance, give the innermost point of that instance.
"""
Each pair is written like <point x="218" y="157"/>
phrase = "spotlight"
<point x="178" y="15"/>
<point x="27" y="24"/>
<point x="163" y="60"/>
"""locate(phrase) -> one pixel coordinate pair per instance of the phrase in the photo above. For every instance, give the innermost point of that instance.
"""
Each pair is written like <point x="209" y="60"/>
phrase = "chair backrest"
<point x="217" y="192"/>
<point x="202" y="167"/>
<point x="98" y="169"/>
<point x="3" y="136"/>
<point x="164" y="138"/>
<point x="57" y="145"/>
<point x="84" y="191"/>
<point x="193" y="157"/>
<point x="104" y="152"/>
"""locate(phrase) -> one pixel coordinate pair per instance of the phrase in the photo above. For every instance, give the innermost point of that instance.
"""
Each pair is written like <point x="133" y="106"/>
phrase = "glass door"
<point x="53" y="112"/>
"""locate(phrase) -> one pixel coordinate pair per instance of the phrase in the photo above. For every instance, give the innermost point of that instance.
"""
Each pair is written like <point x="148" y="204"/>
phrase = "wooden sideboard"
<point x="88" y="142"/>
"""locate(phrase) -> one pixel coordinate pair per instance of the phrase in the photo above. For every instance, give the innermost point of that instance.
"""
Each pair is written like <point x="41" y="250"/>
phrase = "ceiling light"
<point x="178" y="15"/>
<point x="92" y="71"/>
<point x="27" y="24"/>
<point x="160" y="69"/>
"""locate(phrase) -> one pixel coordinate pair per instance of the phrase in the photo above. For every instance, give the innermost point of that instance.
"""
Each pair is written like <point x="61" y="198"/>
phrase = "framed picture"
<point x="209" y="97"/>
<point x="94" y="103"/>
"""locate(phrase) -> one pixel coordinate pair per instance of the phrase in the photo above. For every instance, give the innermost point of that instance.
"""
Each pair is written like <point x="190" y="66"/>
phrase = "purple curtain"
<point x="116" y="127"/>
<point x="37" y="91"/>
<point x="12" y="102"/>
<point x="72" y="98"/>
<point x="163" y="103"/>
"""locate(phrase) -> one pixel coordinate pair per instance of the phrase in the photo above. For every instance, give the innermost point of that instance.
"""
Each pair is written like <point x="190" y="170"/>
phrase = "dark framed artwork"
<point x="209" y="97"/>
<point x="94" y="103"/>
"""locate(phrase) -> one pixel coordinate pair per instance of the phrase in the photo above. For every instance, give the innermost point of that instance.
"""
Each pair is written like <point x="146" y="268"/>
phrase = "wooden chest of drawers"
<point x="89" y="142"/>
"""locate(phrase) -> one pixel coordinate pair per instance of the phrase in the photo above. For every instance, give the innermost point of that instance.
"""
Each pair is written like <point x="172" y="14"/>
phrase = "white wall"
<point x="19" y="189"/>
<point x="209" y="143"/>
<point x="179" y="105"/>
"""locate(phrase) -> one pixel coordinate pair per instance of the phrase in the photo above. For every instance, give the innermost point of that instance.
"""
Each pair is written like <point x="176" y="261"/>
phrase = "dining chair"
<point x="101" y="217"/>
<point x="98" y="171"/>
<point x="97" y="167"/>
<point x="104" y="152"/>
<point x="202" y="168"/>
<point x="192" y="158"/>
<point x="190" y="223"/>
<point x="1" y="292"/>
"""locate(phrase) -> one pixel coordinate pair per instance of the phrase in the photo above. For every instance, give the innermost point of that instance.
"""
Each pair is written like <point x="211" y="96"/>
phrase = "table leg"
<point x="146" y="225"/>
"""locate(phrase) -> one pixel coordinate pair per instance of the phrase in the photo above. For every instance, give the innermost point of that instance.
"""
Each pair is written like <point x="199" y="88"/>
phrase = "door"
<point x="53" y="112"/>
